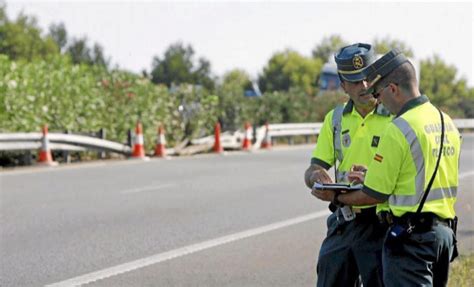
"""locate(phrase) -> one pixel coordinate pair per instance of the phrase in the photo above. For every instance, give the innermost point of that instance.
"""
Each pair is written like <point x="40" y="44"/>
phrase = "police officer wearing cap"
<point x="350" y="134"/>
<point x="415" y="170"/>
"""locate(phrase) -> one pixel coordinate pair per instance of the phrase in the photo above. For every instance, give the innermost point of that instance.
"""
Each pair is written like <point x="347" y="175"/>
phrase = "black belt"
<point x="365" y="214"/>
<point x="423" y="222"/>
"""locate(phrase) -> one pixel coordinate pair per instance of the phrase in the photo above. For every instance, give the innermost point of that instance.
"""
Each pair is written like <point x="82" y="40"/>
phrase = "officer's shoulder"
<point x="331" y="112"/>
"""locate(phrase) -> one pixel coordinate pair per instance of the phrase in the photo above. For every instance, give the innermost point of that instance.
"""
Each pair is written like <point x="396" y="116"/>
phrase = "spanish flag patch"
<point x="378" y="157"/>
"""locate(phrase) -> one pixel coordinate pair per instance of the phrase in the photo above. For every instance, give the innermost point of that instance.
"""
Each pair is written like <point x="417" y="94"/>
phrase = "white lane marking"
<point x="147" y="188"/>
<point x="43" y="169"/>
<point x="161" y="257"/>
<point x="466" y="174"/>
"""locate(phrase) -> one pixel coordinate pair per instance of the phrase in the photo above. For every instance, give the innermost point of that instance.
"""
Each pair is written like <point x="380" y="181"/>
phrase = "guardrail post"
<point x="254" y="133"/>
<point x="27" y="158"/>
<point x="307" y="139"/>
<point x="290" y="140"/>
<point x="66" y="155"/>
<point x="101" y="135"/>
<point x="129" y="138"/>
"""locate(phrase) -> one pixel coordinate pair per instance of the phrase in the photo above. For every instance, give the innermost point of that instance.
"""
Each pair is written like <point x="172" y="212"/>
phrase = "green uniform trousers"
<point x="349" y="249"/>
<point x="423" y="260"/>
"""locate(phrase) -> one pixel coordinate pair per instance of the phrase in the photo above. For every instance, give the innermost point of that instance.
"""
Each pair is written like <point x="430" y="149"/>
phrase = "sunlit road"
<point x="242" y="219"/>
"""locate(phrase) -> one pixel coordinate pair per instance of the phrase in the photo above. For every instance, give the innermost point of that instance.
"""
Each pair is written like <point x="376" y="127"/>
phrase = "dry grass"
<point x="462" y="271"/>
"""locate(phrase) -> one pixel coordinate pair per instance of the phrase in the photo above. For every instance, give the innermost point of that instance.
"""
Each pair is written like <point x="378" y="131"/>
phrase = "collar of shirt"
<point x="413" y="103"/>
<point x="378" y="110"/>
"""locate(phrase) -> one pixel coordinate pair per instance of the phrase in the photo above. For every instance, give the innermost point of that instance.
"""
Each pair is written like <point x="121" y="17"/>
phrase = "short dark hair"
<point x="404" y="76"/>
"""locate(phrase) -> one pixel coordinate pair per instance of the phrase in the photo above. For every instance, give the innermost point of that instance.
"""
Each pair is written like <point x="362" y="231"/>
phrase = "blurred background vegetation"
<point x="54" y="78"/>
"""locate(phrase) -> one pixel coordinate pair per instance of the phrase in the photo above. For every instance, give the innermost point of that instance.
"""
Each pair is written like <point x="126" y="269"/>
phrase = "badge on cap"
<point x="357" y="62"/>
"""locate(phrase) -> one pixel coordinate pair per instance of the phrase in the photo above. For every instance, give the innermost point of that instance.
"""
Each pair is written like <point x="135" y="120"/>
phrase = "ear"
<point x="393" y="88"/>
<point x="343" y="86"/>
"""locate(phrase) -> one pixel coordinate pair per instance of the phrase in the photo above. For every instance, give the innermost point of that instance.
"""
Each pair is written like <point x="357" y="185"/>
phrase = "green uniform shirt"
<point x="359" y="139"/>
<point x="406" y="158"/>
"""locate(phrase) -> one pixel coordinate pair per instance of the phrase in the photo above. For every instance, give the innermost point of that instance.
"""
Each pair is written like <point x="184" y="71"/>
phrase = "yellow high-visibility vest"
<point x="406" y="158"/>
<point x="356" y="138"/>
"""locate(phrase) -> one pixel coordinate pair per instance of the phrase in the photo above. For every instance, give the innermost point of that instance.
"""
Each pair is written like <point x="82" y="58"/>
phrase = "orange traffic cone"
<point x="138" y="148"/>
<point x="246" y="144"/>
<point x="160" y="150"/>
<point x="267" y="140"/>
<point x="44" y="155"/>
<point x="217" y="139"/>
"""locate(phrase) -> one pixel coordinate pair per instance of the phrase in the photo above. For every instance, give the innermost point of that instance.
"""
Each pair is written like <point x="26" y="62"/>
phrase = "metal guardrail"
<point x="58" y="141"/>
<point x="462" y="124"/>
<point x="284" y="130"/>
<point x="303" y="129"/>
<point x="73" y="142"/>
<point x="310" y="129"/>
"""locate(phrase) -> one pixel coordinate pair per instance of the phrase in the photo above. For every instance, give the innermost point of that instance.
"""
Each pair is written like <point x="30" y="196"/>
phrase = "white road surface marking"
<point x="466" y="174"/>
<point x="190" y="249"/>
<point x="148" y="188"/>
<point x="161" y="257"/>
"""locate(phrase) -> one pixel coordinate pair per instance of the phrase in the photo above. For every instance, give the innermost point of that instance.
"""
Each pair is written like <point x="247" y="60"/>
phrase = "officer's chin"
<point x="366" y="96"/>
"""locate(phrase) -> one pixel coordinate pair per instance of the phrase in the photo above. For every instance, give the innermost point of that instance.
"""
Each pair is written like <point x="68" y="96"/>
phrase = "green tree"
<point x="202" y="74"/>
<point x="290" y="69"/>
<point x="83" y="98"/>
<point x="234" y="108"/>
<point x="22" y="39"/>
<point x="80" y="52"/>
<point x="3" y="14"/>
<point x="59" y="34"/>
<point x="328" y="47"/>
<point x="383" y="46"/>
<point x="178" y="67"/>
<point x="440" y="83"/>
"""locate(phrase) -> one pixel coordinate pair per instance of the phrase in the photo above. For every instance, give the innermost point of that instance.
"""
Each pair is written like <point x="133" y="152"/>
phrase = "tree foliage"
<point x="234" y="108"/>
<point x="290" y="69"/>
<point x="22" y="39"/>
<point x="328" y="47"/>
<point x="59" y="34"/>
<point x="178" y="67"/>
<point x="440" y="83"/>
<point x="80" y="52"/>
<point x="84" y="98"/>
<point x="383" y="46"/>
<point x="66" y="83"/>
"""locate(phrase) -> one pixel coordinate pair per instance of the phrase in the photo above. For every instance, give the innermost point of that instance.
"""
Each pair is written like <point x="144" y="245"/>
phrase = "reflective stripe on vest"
<point x="337" y="127"/>
<point x="419" y="161"/>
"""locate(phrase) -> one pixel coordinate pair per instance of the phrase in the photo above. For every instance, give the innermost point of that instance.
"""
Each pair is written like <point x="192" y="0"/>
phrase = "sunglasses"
<point x="376" y="94"/>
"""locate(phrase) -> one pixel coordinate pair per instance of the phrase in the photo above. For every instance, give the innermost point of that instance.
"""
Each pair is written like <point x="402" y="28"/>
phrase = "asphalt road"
<point x="240" y="219"/>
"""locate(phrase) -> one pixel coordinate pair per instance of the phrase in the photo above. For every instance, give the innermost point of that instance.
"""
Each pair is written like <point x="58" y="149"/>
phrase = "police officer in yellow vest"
<point x="350" y="134"/>
<point x="405" y="172"/>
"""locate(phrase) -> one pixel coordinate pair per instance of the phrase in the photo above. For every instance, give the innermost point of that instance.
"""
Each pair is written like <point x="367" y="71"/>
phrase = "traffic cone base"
<point x="49" y="163"/>
<point x="267" y="140"/>
<point x="160" y="150"/>
<point x="44" y="155"/>
<point x="246" y="144"/>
